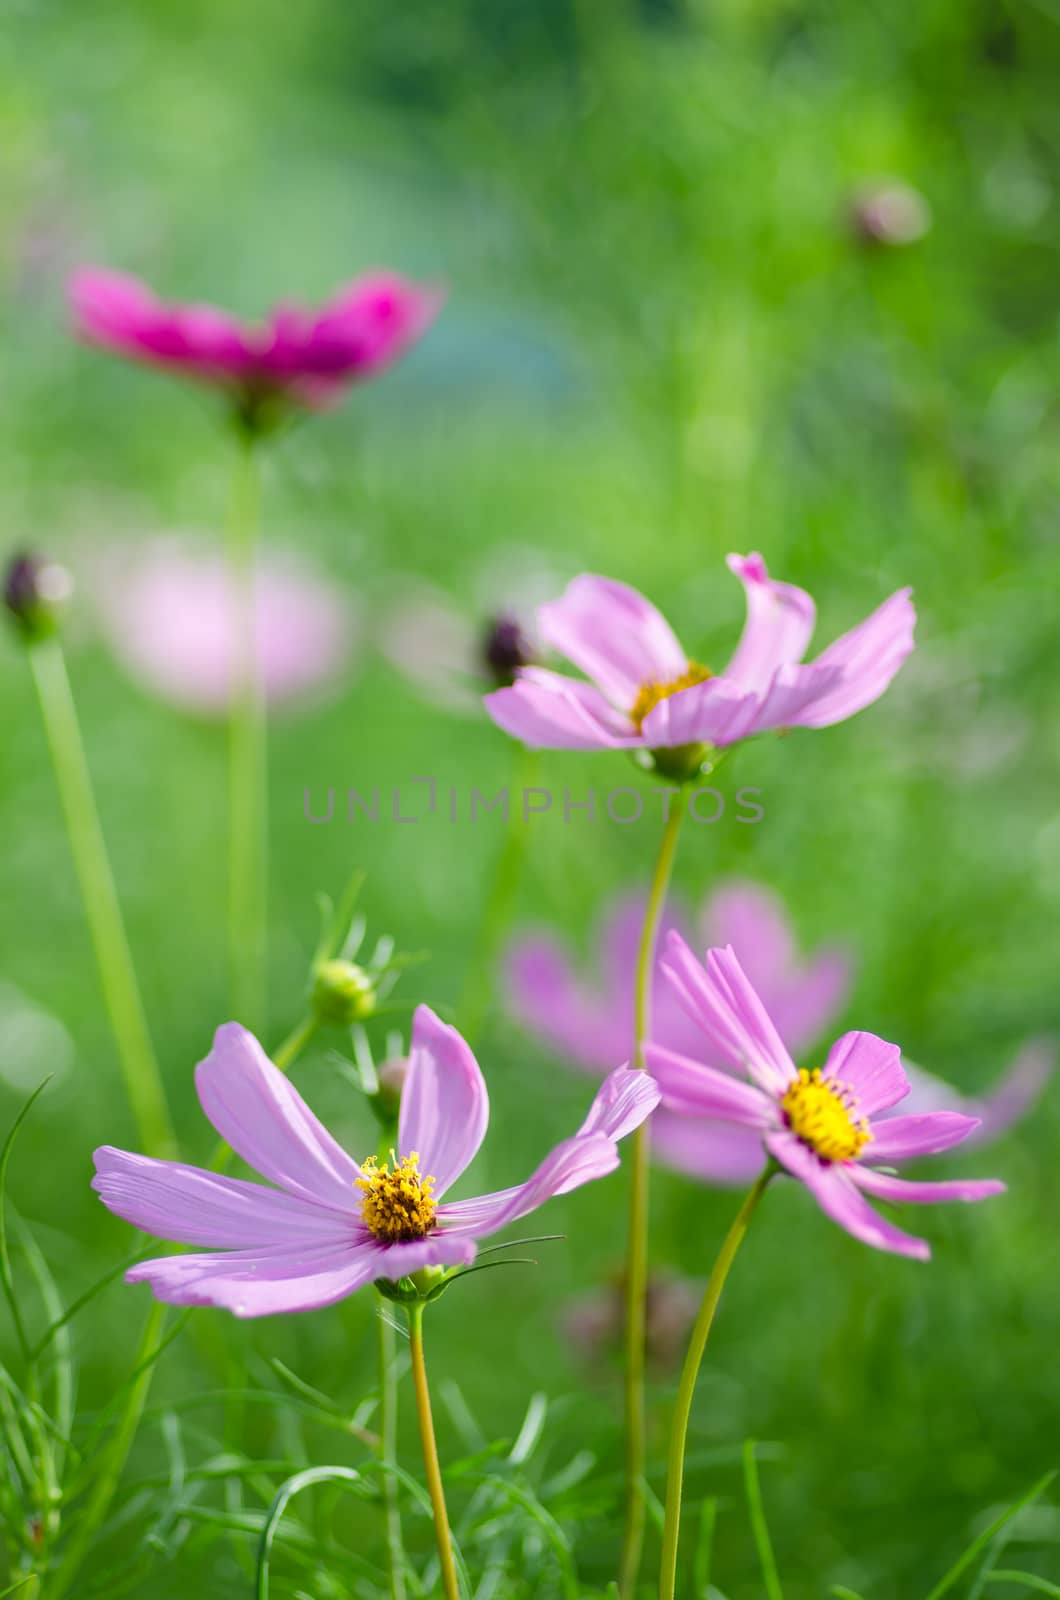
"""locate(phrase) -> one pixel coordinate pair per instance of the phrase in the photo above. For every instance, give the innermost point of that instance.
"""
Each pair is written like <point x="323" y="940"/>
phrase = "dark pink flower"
<point x="295" y="358"/>
<point x="324" y="1225"/>
<point x="823" y="1125"/>
<point x="644" y="692"/>
<point x="588" y="1020"/>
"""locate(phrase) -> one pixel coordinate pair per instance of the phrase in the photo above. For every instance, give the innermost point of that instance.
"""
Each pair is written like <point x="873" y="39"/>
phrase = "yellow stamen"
<point x="398" y="1203"/>
<point x="649" y="694"/>
<point x="821" y="1111"/>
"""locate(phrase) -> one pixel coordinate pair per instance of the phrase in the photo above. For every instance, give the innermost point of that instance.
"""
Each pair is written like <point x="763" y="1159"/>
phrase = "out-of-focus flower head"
<point x="35" y="591"/>
<point x="820" y="1125"/>
<point x="169" y="614"/>
<point x="641" y="692"/>
<point x="324" y="1225"/>
<point x="588" y="1020"/>
<point x="889" y="212"/>
<point x="594" y="1322"/>
<point x="296" y="359"/>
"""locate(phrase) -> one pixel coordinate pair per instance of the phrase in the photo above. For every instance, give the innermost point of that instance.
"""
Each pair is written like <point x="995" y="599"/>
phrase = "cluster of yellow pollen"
<point x="398" y="1203"/>
<point x="649" y="695"/>
<point x="821" y="1112"/>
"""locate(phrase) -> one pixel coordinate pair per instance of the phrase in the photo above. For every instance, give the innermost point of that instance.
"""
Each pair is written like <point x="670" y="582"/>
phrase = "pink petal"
<point x="266" y="1121"/>
<point x="550" y="712"/>
<point x="186" y="1204"/>
<point x="545" y="996"/>
<point x="438" y="1250"/>
<point x="869" y="656"/>
<point x="871" y="1067"/>
<point x="626" y="1097"/>
<point x="263" y="1282"/>
<point x="793" y="691"/>
<point x="368" y="325"/>
<point x="697" y="1090"/>
<point x="445" y="1109"/>
<point x="717" y="712"/>
<point x="614" y="635"/>
<point x="719" y="998"/>
<point x="904" y="1138"/>
<point x="718" y="1153"/>
<point x="831" y="1186"/>
<point x="575" y="1162"/>
<point x="779" y="626"/>
<point x="1002" y="1106"/>
<point x="886" y="1187"/>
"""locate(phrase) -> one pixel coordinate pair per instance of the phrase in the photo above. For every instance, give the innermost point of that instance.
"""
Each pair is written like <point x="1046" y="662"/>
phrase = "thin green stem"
<point x="121" y="994"/>
<point x="759" y="1526"/>
<point x="296" y="1041"/>
<point x="247" y="781"/>
<point x="637" y="1244"/>
<point x="388" y="1453"/>
<point x="450" y="1586"/>
<point x="500" y="900"/>
<point x="687" y="1386"/>
<point x="112" y="1457"/>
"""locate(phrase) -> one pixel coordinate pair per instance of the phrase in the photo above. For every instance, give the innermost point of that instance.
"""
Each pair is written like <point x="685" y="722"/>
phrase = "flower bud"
<point x="505" y="648"/>
<point x="392" y="1075"/>
<point x="889" y="213"/>
<point x="35" y="591"/>
<point x="343" y="992"/>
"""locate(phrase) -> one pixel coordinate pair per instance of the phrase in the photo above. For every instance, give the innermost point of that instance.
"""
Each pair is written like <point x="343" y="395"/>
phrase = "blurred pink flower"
<point x="323" y="1225"/>
<point x="822" y="1125"/>
<point x="644" y="693"/>
<point x="594" y="1321"/>
<point x="296" y="357"/>
<point x="590" y="1023"/>
<point x="167" y="612"/>
<point x="889" y="212"/>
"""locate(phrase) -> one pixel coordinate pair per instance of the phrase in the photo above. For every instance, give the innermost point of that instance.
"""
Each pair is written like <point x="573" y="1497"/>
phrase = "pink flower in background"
<point x="644" y="692"/>
<point x="889" y="212"/>
<point x="445" y="657"/>
<point x="821" y="1124"/>
<point x="594" y="1322"/>
<point x="324" y="1225"/>
<point x="296" y="357"/>
<point x="589" y="1022"/>
<point x="167" y="612"/>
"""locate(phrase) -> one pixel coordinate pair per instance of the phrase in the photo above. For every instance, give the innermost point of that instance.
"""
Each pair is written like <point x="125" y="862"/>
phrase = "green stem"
<point x="121" y="994"/>
<point x="296" y="1041"/>
<point x="450" y="1586"/>
<point x="690" y="1372"/>
<point x="388" y="1453"/>
<point x="637" y="1244"/>
<point x="500" y="901"/>
<point x="113" y="1458"/>
<point x="247" y="779"/>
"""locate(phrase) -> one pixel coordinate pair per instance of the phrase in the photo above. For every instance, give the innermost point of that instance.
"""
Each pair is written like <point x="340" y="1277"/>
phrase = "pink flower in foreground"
<point x="169" y="616"/>
<point x="645" y="692"/>
<point x="821" y="1124"/>
<point x="327" y="1225"/>
<point x="589" y="1022"/>
<point x="296" y="357"/>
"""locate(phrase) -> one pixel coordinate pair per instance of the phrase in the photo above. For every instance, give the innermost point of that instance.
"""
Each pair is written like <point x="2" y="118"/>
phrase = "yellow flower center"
<point x="649" y="694"/>
<point x="821" y="1112"/>
<point x="398" y="1203"/>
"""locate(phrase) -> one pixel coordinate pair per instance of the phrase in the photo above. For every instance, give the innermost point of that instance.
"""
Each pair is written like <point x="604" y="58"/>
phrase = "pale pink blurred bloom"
<point x="168" y="615"/>
<point x="588" y="1020"/>
<point x="594" y="1322"/>
<point x="887" y="211"/>
<point x="296" y="357"/>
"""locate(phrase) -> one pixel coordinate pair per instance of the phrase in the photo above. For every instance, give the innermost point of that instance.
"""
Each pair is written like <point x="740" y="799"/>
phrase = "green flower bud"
<point x="343" y="992"/>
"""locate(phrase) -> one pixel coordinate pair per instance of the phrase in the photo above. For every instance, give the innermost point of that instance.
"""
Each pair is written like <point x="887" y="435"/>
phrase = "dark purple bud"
<point x="505" y="648"/>
<point x="35" y="591"/>
<point x="889" y="213"/>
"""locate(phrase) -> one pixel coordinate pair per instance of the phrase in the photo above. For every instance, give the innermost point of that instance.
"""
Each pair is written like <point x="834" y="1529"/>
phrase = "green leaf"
<point x="284" y="1495"/>
<point x="1030" y="1580"/>
<point x="6" y="1278"/>
<point x="759" y="1526"/>
<point x="963" y="1562"/>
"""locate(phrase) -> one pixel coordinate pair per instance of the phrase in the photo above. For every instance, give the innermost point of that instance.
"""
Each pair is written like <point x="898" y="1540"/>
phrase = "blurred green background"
<point x="664" y="340"/>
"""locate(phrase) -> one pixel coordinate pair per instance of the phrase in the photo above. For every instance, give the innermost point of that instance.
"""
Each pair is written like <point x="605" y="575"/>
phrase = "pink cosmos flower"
<point x="821" y="1124"/>
<point x="167" y="611"/>
<point x="645" y="692"/>
<point x="589" y="1022"/>
<point x="297" y="357"/>
<point x="325" y="1225"/>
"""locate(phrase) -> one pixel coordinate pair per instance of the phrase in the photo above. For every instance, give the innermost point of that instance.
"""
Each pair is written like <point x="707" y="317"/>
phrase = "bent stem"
<point x="637" y="1243"/>
<point x="121" y="993"/>
<point x="247" y="807"/>
<point x="689" y="1374"/>
<point x="430" y="1453"/>
<point x="500" y="900"/>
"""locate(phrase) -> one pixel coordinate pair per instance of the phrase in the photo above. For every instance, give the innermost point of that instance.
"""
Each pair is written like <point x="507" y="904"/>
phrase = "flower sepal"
<point x="681" y="763"/>
<point x="419" y="1288"/>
